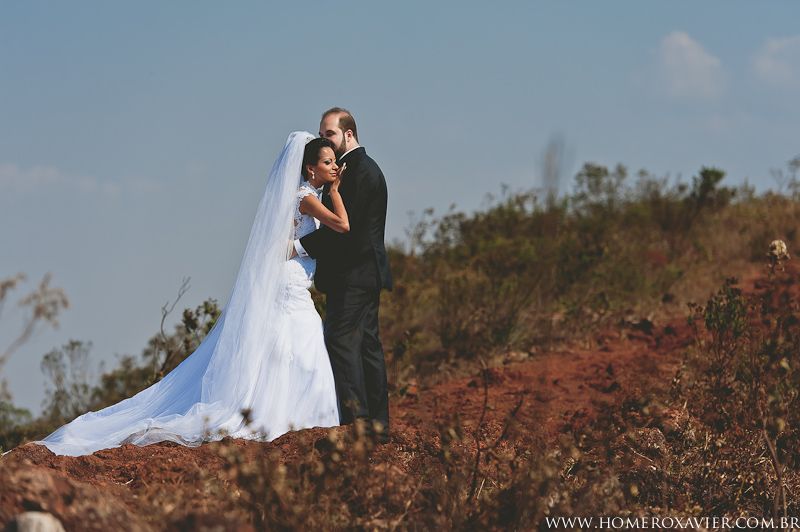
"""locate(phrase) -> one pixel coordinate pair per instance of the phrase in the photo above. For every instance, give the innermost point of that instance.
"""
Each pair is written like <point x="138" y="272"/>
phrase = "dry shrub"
<point x="742" y="380"/>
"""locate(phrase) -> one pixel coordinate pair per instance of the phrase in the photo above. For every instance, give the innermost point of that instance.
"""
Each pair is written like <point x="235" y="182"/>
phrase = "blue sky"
<point x="135" y="138"/>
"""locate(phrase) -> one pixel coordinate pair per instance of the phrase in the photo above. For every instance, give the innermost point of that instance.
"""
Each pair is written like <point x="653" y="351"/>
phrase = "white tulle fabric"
<point x="265" y="353"/>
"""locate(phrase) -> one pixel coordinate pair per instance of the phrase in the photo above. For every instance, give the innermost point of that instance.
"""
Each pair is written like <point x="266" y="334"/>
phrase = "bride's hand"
<point x="338" y="181"/>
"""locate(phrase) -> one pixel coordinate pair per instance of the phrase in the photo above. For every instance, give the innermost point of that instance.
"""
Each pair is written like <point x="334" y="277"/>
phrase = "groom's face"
<point x="329" y="129"/>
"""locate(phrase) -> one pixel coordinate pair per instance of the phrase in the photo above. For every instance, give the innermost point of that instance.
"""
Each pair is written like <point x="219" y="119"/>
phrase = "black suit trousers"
<point x="357" y="359"/>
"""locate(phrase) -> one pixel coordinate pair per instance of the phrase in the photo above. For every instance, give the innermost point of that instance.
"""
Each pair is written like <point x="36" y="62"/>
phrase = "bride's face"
<point x="326" y="169"/>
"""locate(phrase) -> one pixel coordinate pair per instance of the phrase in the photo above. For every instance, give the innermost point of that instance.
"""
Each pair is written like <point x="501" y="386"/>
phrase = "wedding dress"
<point x="265" y="353"/>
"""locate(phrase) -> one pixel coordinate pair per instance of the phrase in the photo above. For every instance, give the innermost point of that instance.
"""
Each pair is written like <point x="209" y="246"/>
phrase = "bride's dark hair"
<point x="311" y="153"/>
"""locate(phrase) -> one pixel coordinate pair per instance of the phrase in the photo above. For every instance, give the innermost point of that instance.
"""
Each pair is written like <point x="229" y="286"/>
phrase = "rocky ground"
<point x="138" y="488"/>
<point x="166" y="486"/>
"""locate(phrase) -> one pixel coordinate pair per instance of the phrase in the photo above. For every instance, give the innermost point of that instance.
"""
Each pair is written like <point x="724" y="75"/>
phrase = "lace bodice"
<point x="303" y="223"/>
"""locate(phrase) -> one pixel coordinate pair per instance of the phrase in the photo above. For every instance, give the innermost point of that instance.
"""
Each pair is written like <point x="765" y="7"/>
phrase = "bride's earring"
<point x="311" y="178"/>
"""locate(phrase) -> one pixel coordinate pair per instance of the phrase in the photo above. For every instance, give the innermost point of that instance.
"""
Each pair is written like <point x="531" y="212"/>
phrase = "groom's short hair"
<point x="346" y="120"/>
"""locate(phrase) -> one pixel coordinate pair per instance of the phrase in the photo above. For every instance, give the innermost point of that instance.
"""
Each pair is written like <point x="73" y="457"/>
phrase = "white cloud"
<point x="688" y="70"/>
<point x="42" y="178"/>
<point x="12" y="176"/>
<point x="777" y="62"/>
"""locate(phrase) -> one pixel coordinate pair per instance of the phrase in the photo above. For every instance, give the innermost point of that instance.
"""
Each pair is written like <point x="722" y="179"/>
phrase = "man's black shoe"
<point x="377" y="432"/>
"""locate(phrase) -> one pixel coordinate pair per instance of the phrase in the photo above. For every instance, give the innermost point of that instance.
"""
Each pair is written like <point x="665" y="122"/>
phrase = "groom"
<point x="352" y="268"/>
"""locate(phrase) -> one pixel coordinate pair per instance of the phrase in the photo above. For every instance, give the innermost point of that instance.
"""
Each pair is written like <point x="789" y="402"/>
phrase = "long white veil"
<point x="204" y="396"/>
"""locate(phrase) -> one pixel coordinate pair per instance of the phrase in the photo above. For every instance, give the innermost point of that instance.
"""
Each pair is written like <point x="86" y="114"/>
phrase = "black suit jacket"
<point x="357" y="258"/>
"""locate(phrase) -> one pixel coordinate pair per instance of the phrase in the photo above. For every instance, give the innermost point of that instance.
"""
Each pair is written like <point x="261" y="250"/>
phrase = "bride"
<point x="265" y="357"/>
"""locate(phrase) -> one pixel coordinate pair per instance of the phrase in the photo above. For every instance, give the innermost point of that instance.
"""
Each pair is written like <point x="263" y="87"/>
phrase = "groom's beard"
<point x="341" y="148"/>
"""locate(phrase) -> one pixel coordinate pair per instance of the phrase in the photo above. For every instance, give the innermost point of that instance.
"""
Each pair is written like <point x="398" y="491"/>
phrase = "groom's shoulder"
<point x="370" y="163"/>
<point x="365" y="164"/>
